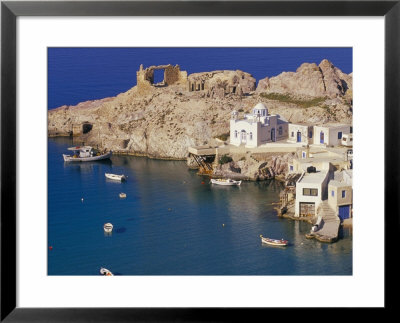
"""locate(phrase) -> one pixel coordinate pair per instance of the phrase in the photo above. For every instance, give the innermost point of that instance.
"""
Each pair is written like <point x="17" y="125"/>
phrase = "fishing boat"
<point x="274" y="242"/>
<point x="85" y="154"/>
<point x="108" y="227"/>
<point x="116" y="177"/>
<point x="222" y="181"/>
<point x="105" y="272"/>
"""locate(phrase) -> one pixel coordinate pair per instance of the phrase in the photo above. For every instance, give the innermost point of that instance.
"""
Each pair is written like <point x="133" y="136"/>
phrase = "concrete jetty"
<point x="328" y="230"/>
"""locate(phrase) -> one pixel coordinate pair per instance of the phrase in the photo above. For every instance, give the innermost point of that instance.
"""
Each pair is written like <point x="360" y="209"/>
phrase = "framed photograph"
<point x="199" y="154"/>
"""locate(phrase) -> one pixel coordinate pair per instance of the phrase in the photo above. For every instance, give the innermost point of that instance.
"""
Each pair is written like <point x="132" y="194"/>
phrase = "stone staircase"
<point x="329" y="228"/>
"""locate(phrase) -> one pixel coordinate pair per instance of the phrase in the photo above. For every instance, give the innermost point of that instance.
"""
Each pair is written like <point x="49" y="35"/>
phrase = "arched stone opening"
<point x="86" y="127"/>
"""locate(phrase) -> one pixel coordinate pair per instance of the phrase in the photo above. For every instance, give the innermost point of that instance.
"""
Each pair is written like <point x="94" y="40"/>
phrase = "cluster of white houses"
<point x="325" y="184"/>
<point x="326" y="172"/>
<point x="259" y="127"/>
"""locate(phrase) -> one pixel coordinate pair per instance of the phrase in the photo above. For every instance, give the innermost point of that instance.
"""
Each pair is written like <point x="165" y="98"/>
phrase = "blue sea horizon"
<point x="80" y="74"/>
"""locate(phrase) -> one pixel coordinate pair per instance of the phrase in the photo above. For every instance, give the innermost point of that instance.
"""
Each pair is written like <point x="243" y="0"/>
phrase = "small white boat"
<point x="116" y="177"/>
<point x="85" y="154"/>
<point x="228" y="181"/>
<point x="108" y="227"/>
<point x="274" y="242"/>
<point x="105" y="272"/>
<point x="122" y="195"/>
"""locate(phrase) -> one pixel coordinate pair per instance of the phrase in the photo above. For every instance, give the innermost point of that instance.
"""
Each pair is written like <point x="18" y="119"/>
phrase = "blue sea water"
<point x="173" y="222"/>
<point x="81" y="74"/>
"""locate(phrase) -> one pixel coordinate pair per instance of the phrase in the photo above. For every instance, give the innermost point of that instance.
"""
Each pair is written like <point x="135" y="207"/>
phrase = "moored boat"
<point x="274" y="242"/>
<point x="105" y="272"/>
<point x="228" y="181"/>
<point x="85" y="154"/>
<point x="116" y="177"/>
<point x="122" y="195"/>
<point x="108" y="227"/>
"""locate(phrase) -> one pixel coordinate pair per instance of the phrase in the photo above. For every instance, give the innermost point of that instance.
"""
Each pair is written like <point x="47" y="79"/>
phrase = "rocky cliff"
<point x="162" y="122"/>
<point x="310" y="80"/>
<point x="260" y="166"/>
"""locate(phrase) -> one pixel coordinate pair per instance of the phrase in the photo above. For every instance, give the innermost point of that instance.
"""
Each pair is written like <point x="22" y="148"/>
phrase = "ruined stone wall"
<point x="221" y="83"/>
<point x="172" y="75"/>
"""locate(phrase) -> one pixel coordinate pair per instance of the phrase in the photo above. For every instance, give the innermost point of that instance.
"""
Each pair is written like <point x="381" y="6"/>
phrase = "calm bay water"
<point x="173" y="224"/>
<point x="170" y="223"/>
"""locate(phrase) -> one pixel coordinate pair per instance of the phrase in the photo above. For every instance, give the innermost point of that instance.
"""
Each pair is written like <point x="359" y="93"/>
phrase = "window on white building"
<point x="339" y="135"/>
<point x="343" y="194"/>
<point x="310" y="191"/>
<point x="236" y="133"/>
<point x="251" y="136"/>
<point x="292" y="134"/>
<point x="280" y="130"/>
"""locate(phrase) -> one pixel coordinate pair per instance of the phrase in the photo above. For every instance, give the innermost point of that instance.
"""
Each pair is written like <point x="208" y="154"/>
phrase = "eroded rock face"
<point x="310" y="80"/>
<point x="220" y="83"/>
<point x="162" y="122"/>
<point x="253" y="169"/>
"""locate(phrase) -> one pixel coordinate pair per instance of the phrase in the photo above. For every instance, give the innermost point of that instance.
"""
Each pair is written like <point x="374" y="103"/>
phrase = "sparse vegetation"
<point x="223" y="136"/>
<point x="225" y="159"/>
<point x="289" y="99"/>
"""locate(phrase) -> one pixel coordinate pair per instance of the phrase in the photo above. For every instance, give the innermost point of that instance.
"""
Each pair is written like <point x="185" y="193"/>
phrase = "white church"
<point x="257" y="128"/>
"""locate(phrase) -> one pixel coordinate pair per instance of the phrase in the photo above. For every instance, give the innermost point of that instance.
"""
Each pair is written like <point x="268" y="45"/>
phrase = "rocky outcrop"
<point x="309" y="80"/>
<point x="259" y="168"/>
<point x="163" y="121"/>
<point x="220" y="83"/>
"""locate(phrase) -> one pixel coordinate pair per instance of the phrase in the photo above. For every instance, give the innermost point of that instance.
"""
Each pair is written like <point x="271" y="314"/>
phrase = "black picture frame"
<point x="10" y="10"/>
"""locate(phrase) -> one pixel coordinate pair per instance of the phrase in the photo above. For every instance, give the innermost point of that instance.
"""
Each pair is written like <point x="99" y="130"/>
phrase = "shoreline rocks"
<point x="163" y="121"/>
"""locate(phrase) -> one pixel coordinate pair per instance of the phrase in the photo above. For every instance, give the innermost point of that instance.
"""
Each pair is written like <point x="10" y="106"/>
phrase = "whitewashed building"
<point x="311" y="189"/>
<point x="340" y="194"/>
<point x="330" y="134"/>
<point x="300" y="133"/>
<point x="257" y="128"/>
<point x="347" y="140"/>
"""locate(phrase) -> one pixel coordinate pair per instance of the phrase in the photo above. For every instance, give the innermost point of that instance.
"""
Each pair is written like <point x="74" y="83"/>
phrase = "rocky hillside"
<point x="163" y="121"/>
<point x="310" y="80"/>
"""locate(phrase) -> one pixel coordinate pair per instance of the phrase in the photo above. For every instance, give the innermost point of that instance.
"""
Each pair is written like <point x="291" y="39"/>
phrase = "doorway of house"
<point x="273" y="134"/>
<point x="243" y="137"/>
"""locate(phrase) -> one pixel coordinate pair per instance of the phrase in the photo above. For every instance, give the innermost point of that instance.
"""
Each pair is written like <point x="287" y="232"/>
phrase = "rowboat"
<point x="115" y="177"/>
<point x="85" y="154"/>
<point x="274" y="242"/>
<point x="108" y="227"/>
<point x="105" y="272"/>
<point x="228" y="181"/>
<point x="122" y="195"/>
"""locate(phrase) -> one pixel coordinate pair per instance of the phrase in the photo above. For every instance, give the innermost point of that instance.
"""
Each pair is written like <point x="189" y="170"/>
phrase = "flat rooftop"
<point x="338" y="184"/>
<point x="333" y="125"/>
<point x="314" y="178"/>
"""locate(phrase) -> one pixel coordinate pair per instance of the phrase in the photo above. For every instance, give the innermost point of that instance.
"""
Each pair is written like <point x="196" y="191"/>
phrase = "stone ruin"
<point x="172" y="75"/>
<point x="215" y="84"/>
<point x="222" y="83"/>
